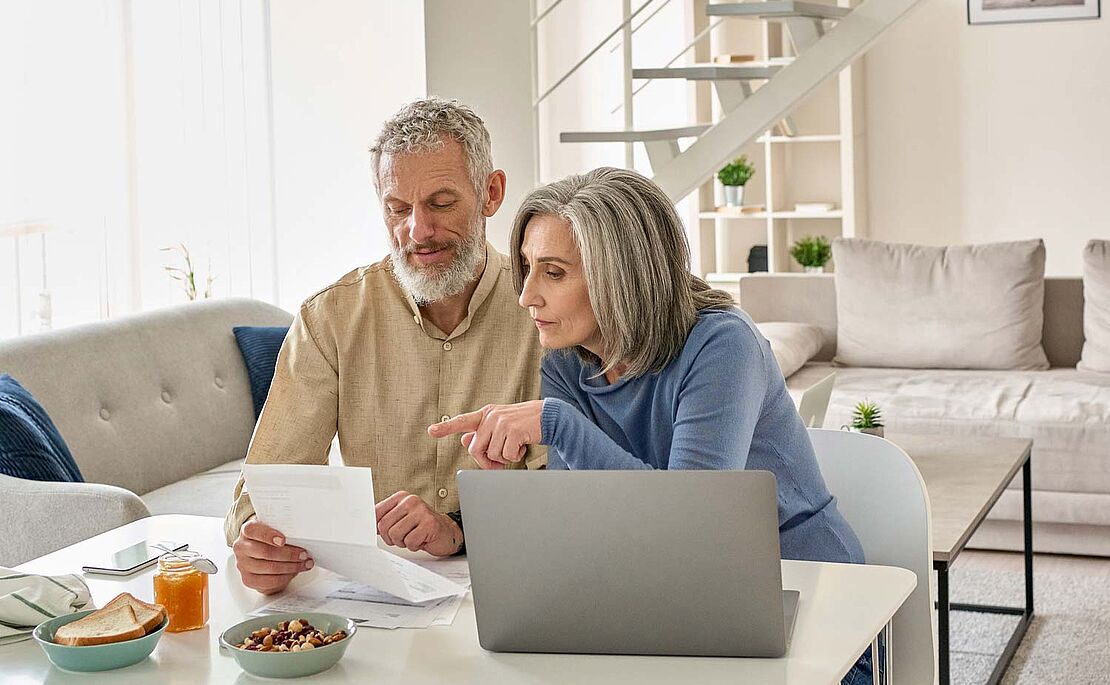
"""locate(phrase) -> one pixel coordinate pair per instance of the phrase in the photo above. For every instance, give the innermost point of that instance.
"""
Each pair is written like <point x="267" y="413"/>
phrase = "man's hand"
<point x="496" y="434"/>
<point x="264" y="561"/>
<point x="405" y="520"/>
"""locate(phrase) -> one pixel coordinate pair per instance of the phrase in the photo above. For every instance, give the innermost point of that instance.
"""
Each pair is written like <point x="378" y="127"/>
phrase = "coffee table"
<point x="965" y="476"/>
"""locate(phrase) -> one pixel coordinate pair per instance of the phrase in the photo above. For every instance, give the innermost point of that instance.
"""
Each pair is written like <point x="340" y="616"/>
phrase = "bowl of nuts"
<point x="289" y="645"/>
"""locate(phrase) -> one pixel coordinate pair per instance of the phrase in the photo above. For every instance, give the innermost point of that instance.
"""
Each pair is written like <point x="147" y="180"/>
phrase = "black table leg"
<point x="1026" y="614"/>
<point x="1027" y="515"/>
<point x="942" y="622"/>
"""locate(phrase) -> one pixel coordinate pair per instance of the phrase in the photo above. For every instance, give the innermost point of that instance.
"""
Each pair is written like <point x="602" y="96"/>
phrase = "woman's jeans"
<point x="860" y="673"/>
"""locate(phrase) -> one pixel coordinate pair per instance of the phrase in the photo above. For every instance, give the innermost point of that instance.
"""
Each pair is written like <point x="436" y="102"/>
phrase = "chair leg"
<point x="876" y="679"/>
<point x="888" y="650"/>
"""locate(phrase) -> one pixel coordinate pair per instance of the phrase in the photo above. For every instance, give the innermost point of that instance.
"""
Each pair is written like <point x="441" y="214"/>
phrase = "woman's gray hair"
<point x="636" y="262"/>
<point x="420" y="127"/>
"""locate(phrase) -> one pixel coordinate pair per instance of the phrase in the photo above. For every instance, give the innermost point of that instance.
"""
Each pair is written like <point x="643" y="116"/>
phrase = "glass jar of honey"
<point x="183" y="590"/>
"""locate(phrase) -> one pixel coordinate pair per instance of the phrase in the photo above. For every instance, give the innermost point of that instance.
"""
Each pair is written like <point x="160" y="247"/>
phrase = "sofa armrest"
<point x="803" y="298"/>
<point x="40" y="517"/>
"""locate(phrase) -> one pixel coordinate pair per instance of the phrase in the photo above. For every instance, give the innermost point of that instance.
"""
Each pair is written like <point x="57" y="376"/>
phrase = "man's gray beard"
<point x="435" y="284"/>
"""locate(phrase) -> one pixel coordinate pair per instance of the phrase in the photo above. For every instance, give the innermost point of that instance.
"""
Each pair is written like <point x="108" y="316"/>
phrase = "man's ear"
<point x="495" y="193"/>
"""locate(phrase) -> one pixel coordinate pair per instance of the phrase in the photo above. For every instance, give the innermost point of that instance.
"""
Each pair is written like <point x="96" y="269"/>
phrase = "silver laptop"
<point x="815" y="401"/>
<point x="627" y="562"/>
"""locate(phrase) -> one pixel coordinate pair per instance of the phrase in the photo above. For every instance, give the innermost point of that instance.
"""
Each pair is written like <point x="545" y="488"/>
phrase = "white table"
<point x="842" y="608"/>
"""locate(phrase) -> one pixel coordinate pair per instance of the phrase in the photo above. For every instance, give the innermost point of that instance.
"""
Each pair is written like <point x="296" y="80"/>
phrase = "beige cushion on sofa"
<point x="793" y="344"/>
<point x="1096" y="307"/>
<point x="956" y="307"/>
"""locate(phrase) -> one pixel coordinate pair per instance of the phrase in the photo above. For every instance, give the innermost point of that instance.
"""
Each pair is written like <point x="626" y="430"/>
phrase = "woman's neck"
<point x="614" y="374"/>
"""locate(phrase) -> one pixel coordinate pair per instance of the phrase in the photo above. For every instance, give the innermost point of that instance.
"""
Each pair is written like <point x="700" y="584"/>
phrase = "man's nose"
<point x="421" y="225"/>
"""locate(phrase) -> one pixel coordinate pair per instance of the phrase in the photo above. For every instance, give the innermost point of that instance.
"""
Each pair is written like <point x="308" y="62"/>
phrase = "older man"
<point x="428" y="332"/>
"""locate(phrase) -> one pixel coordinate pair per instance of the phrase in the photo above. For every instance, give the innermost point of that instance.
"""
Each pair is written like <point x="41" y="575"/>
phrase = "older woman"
<point x="651" y="368"/>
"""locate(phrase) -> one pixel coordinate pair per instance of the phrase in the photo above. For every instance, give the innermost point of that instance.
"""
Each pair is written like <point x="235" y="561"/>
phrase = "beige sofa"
<point x="1066" y="412"/>
<point x="156" y="409"/>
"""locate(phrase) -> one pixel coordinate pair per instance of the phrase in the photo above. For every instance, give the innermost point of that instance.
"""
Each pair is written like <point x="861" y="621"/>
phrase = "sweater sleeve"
<point x="578" y="442"/>
<point x="720" y="399"/>
<point x="570" y="435"/>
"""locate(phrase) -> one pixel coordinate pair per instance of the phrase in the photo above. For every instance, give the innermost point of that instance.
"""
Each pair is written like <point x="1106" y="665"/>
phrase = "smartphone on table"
<point x="131" y="559"/>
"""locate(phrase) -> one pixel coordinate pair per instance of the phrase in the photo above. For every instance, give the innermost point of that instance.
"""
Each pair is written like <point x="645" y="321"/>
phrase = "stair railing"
<point x="626" y="29"/>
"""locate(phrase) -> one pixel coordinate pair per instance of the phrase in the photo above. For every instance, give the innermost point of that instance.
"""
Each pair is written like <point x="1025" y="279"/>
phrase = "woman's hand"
<point x="496" y="434"/>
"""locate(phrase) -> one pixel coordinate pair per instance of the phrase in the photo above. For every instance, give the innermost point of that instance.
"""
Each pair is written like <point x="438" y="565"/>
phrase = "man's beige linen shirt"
<point x="360" y="359"/>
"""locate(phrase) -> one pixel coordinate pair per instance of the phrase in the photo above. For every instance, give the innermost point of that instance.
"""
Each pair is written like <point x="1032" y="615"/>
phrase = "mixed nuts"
<point x="297" y="635"/>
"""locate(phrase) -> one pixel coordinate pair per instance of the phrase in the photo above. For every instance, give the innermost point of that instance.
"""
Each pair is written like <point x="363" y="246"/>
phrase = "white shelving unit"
<point x="789" y="169"/>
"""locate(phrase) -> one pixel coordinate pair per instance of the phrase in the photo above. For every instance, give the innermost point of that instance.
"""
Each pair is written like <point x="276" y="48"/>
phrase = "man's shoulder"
<point x="501" y="260"/>
<point x="504" y="288"/>
<point x="353" y="285"/>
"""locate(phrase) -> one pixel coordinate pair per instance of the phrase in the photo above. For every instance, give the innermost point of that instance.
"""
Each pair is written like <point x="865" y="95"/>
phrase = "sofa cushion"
<point x="1064" y="411"/>
<point x="793" y="344"/>
<point x="260" y="346"/>
<point x="205" y="494"/>
<point x="30" y="445"/>
<point x="1096" y="307"/>
<point x="956" y="307"/>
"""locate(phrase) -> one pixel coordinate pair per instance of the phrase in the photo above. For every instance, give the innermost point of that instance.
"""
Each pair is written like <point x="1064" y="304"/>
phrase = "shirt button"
<point x="447" y="346"/>
<point x="445" y="417"/>
<point x="416" y="318"/>
<point x="442" y="493"/>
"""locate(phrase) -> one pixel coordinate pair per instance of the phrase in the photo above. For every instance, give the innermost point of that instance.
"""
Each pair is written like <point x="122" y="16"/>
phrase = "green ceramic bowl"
<point x="94" y="657"/>
<point x="288" y="664"/>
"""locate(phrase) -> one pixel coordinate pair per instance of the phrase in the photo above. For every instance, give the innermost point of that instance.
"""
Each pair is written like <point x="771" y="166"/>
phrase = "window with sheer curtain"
<point x="128" y="126"/>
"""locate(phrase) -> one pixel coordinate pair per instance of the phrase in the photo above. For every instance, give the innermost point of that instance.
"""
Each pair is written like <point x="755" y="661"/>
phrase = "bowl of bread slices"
<point x="123" y="632"/>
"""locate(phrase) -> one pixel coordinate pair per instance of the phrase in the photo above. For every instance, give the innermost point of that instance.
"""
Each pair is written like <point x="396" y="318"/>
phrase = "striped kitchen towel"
<point x="27" y="600"/>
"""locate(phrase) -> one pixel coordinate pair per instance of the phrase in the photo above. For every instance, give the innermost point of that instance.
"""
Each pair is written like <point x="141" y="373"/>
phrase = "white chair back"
<point x="882" y="495"/>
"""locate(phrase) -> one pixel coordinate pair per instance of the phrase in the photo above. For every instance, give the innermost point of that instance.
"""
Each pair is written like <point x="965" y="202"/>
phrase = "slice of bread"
<point x="101" y="627"/>
<point x="149" y="615"/>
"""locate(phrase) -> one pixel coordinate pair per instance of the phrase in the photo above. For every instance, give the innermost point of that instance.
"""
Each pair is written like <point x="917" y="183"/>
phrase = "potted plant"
<point x="733" y="176"/>
<point x="867" y="418"/>
<point x="812" y="252"/>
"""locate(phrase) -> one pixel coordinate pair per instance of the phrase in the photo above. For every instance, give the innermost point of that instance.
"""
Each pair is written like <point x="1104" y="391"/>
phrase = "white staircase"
<point x="826" y="39"/>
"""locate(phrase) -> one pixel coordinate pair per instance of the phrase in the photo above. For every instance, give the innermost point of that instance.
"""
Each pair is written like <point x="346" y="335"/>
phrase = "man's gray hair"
<point x="636" y="262"/>
<point x="420" y="127"/>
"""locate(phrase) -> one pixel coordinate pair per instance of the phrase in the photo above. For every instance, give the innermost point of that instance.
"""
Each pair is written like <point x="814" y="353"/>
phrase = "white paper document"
<point x="364" y="604"/>
<point x="329" y="510"/>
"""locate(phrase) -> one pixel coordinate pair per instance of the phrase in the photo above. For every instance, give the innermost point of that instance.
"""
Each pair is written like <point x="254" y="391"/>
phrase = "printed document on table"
<point x="363" y="604"/>
<point x="329" y="510"/>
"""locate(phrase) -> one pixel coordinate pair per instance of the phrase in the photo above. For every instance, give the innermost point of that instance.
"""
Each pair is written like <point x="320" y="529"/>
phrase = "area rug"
<point x="1067" y="642"/>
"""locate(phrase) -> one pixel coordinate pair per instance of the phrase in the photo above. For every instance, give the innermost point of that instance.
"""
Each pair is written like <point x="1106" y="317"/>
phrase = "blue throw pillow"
<point x="259" y="346"/>
<point x="30" y="445"/>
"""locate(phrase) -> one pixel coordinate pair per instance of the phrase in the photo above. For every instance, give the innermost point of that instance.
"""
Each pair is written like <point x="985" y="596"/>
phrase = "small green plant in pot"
<point x="812" y="252"/>
<point x="867" y="418"/>
<point x="733" y="176"/>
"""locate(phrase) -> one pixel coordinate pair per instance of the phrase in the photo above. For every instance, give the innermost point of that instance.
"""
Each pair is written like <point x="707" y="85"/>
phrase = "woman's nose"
<point x="528" y="296"/>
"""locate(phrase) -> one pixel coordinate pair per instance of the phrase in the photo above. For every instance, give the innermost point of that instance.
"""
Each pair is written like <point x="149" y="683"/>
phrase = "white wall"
<point x="985" y="133"/>
<point x="479" y="52"/>
<point x="340" y="68"/>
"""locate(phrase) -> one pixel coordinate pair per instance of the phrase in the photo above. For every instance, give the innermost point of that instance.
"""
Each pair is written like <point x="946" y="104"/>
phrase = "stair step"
<point x="633" y="136"/>
<point x="712" y="72"/>
<point x="777" y="9"/>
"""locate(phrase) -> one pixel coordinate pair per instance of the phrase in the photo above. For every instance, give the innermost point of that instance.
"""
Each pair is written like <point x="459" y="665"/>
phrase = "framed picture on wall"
<point x="1008" y="11"/>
